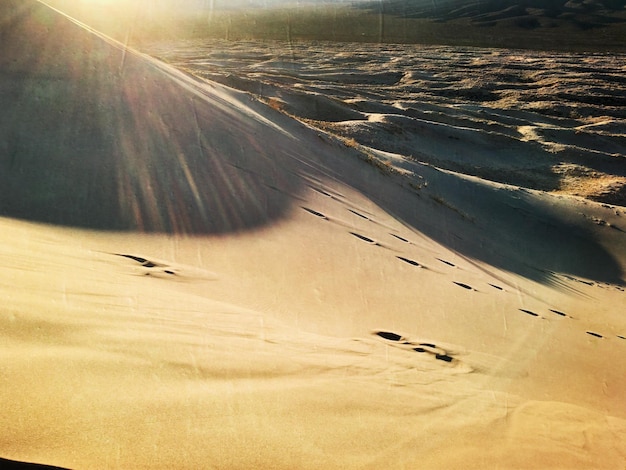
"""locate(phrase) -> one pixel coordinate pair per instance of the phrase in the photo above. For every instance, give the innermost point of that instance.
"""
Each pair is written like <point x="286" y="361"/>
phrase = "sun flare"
<point x="221" y="250"/>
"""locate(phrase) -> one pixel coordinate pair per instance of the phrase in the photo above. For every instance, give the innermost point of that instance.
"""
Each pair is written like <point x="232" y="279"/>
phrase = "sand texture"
<point x="541" y="120"/>
<point x="285" y="275"/>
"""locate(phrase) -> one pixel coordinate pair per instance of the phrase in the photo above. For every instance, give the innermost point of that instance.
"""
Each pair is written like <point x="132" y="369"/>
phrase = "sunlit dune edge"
<point x="192" y="279"/>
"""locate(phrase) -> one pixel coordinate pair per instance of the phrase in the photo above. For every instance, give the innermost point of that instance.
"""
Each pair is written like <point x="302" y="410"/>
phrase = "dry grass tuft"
<point x="276" y="104"/>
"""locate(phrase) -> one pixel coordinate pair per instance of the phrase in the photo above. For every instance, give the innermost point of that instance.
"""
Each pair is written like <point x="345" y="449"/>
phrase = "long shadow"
<point x="97" y="137"/>
<point x="93" y="136"/>
<point x="510" y="229"/>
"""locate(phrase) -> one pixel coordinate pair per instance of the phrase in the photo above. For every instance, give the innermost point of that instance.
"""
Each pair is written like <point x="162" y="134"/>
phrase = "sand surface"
<point x="552" y="121"/>
<point x="194" y="278"/>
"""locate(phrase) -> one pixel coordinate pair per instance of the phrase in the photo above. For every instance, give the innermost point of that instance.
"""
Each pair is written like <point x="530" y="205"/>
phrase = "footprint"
<point x="558" y="313"/>
<point x="429" y="348"/>
<point x="441" y="357"/>
<point x="360" y="215"/>
<point x="338" y="197"/>
<point x="321" y="191"/>
<point x="318" y="185"/>
<point x="241" y="168"/>
<point x="410" y="261"/>
<point x="446" y="262"/>
<point x="146" y="263"/>
<point x="400" y="238"/>
<point x="166" y="271"/>
<point x="364" y="238"/>
<point x="315" y="213"/>
<point x="597" y="335"/>
<point x="464" y="286"/>
<point x="588" y="283"/>
<point x="529" y="312"/>
<point x="389" y="335"/>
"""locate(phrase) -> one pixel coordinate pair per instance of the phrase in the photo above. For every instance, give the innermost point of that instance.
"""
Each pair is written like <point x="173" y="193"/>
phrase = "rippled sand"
<point x="541" y="120"/>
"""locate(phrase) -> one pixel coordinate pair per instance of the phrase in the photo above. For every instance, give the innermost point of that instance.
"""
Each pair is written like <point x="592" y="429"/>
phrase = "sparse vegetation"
<point x="275" y="104"/>
<point x="367" y="155"/>
<point x="440" y="200"/>
<point x="350" y="142"/>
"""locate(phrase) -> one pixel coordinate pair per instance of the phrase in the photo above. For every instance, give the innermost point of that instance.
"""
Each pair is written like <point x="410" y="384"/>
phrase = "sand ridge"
<point x="548" y="121"/>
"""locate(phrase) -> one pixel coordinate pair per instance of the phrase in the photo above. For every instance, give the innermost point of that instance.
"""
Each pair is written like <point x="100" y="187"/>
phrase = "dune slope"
<point x="192" y="279"/>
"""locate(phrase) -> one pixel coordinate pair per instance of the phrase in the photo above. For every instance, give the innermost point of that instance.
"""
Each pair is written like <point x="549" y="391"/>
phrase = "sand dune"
<point x="549" y="121"/>
<point x="193" y="278"/>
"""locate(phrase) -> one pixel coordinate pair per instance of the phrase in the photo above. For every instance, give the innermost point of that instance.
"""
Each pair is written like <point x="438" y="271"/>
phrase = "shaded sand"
<point x="192" y="279"/>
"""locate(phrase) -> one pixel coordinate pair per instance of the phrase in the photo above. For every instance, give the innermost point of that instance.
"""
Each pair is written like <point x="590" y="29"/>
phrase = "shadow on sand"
<point x="94" y="136"/>
<point x="98" y="137"/>
<point x="6" y="464"/>
<point x="511" y="229"/>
